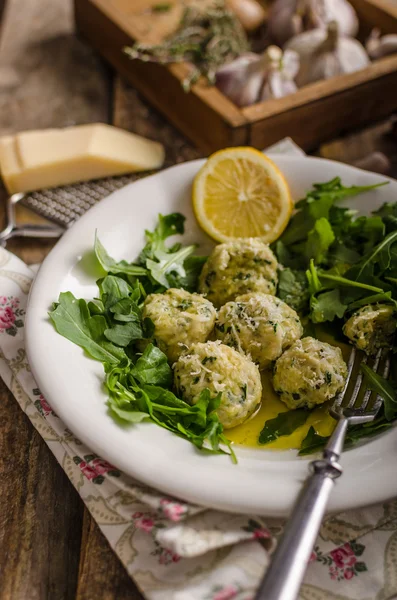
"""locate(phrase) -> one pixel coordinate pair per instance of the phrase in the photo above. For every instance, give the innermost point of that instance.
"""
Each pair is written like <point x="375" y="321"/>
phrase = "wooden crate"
<point x="312" y="115"/>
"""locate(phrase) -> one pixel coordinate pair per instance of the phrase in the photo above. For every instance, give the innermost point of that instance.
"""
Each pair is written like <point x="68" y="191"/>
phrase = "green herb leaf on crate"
<point x="284" y="424"/>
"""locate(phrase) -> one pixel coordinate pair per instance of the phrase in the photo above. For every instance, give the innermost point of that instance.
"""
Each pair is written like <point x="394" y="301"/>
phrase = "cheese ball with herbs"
<point x="223" y="371"/>
<point x="371" y="327"/>
<point x="180" y="319"/>
<point x="259" y="325"/>
<point x="236" y="268"/>
<point x="309" y="373"/>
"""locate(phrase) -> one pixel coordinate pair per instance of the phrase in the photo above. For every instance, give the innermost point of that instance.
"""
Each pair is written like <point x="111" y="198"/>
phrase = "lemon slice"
<point x="241" y="193"/>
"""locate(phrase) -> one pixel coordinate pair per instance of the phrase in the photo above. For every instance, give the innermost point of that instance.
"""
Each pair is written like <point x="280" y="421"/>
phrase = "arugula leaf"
<point x="72" y="319"/>
<point x="127" y="415"/>
<point x="315" y="284"/>
<point x="284" y="424"/>
<point x="167" y="226"/>
<point x="124" y="334"/>
<point x="316" y="205"/>
<point x="112" y="290"/>
<point x="293" y="289"/>
<point x="152" y="367"/>
<point x="381" y="253"/>
<point x="384" y="388"/>
<point x="168" y="263"/>
<point x="388" y="213"/>
<point x="326" y="306"/>
<point x="189" y="281"/>
<point x="313" y="442"/>
<point x="111" y="266"/>
<point x="319" y="240"/>
<point x="385" y="297"/>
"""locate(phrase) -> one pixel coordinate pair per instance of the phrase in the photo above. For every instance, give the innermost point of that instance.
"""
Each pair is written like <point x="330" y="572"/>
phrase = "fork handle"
<point x="285" y="574"/>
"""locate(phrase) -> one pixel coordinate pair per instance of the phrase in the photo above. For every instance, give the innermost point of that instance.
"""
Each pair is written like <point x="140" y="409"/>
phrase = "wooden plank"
<point x="40" y="513"/>
<point x="47" y="78"/>
<point x="52" y="79"/>
<point x="131" y="113"/>
<point x="203" y="114"/>
<point x="101" y="575"/>
<point x="379" y="13"/>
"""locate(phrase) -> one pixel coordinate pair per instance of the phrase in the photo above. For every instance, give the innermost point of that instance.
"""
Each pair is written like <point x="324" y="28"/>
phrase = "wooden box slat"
<point x="314" y="114"/>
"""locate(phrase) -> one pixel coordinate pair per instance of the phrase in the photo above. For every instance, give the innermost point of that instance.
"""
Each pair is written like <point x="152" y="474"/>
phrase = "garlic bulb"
<point x="241" y="80"/>
<point x="253" y="77"/>
<point x="282" y="70"/>
<point x="324" y="54"/>
<point x="249" y="12"/>
<point x="290" y="17"/>
<point x="378" y="46"/>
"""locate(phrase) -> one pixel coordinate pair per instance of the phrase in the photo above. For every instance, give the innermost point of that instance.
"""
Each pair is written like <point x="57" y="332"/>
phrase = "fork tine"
<point x="352" y="358"/>
<point x="385" y="374"/>
<point x="368" y="393"/>
<point x="357" y="386"/>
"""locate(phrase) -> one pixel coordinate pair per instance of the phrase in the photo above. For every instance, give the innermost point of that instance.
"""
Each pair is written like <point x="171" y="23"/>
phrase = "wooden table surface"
<point x="50" y="548"/>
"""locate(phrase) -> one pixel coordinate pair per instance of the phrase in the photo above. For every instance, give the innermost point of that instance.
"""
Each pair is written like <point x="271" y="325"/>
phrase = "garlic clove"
<point x="249" y="12"/>
<point x="282" y="68"/>
<point x="242" y="79"/>
<point x="324" y="54"/>
<point x="252" y="77"/>
<point x="378" y="46"/>
<point x="287" y="18"/>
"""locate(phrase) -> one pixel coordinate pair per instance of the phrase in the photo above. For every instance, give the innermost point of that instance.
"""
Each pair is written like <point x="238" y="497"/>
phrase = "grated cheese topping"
<point x="238" y="267"/>
<point x="309" y="373"/>
<point x="222" y="370"/>
<point x="259" y="325"/>
<point x="180" y="319"/>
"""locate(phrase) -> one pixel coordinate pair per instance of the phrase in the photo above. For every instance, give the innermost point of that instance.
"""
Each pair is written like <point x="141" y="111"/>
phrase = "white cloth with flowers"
<point x="177" y="551"/>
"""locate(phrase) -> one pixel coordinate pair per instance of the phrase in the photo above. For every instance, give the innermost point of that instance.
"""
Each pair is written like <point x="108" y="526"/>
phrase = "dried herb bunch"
<point x="207" y="40"/>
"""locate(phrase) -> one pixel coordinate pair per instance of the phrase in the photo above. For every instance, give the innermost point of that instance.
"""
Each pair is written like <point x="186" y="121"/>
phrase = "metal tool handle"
<point x="28" y="230"/>
<point x="285" y="574"/>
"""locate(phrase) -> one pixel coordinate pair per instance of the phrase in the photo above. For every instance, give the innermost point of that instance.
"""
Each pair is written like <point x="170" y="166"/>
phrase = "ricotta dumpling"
<point x="259" y="325"/>
<point x="236" y="268"/>
<point x="372" y="327"/>
<point x="222" y="370"/>
<point x="180" y="319"/>
<point x="310" y="372"/>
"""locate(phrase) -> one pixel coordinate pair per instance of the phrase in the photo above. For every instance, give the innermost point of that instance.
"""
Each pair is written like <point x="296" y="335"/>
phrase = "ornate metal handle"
<point x="285" y="574"/>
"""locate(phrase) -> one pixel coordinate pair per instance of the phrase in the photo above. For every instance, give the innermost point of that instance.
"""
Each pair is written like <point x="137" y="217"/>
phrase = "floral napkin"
<point x="179" y="551"/>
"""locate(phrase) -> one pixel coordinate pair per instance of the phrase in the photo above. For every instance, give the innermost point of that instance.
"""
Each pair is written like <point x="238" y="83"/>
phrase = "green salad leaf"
<point x="384" y="388"/>
<point x="72" y="319"/>
<point x="313" y="442"/>
<point x="111" y="329"/>
<point x="284" y="424"/>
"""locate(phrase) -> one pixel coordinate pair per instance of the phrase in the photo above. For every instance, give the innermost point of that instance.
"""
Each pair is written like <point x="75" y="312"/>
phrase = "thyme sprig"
<point x="207" y="40"/>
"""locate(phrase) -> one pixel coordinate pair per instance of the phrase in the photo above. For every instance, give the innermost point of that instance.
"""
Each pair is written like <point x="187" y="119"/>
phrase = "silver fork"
<point x="284" y="576"/>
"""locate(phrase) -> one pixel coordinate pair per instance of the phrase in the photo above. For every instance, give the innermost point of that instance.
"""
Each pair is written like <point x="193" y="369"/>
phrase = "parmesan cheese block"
<point x="34" y="160"/>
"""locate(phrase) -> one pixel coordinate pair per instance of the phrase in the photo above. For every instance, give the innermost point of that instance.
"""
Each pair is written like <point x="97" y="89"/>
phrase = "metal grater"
<point x="61" y="205"/>
<point x="64" y="205"/>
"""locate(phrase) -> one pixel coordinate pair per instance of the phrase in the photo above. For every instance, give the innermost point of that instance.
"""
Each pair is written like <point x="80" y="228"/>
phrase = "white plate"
<point x="264" y="482"/>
